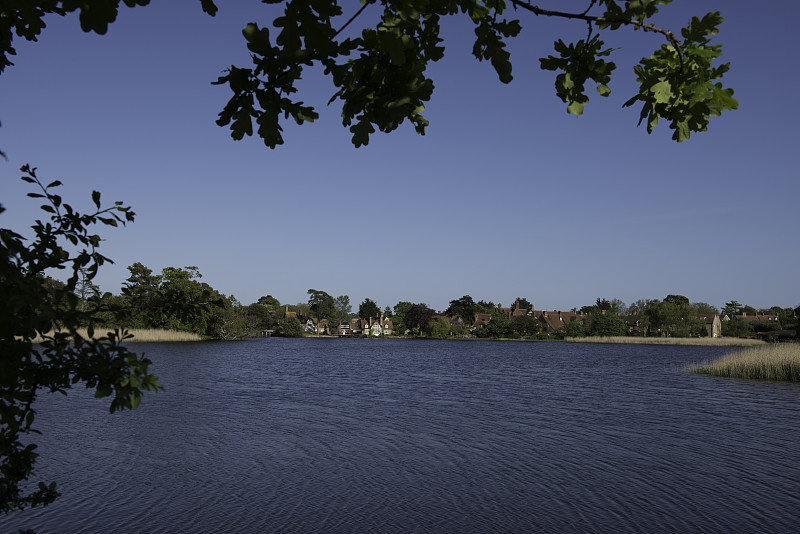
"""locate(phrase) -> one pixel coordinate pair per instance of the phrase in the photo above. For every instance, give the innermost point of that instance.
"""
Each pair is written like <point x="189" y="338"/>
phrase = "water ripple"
<point x="400" y="436"/>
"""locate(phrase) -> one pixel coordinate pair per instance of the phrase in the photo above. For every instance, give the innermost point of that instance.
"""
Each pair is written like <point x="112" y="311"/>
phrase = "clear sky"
<point x="507" y="195"/>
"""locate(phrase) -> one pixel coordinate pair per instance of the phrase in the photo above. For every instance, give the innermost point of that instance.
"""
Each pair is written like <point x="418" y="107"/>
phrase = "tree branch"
<point x="674" y="41"/>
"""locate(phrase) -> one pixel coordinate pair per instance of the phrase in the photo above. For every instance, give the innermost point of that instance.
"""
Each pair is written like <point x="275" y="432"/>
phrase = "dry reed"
<point x="770" y="362"/>
<point x="143" y="335"/>
<point x="698" y="341"/>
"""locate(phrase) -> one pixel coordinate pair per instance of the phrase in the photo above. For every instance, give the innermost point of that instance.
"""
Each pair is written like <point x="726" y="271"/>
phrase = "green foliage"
<point x="379" y="70"/>
<point x="321" y="304"/>
<point x="174" y="300"/>
<point x="673" y="317"/>
<point x="289" y="327"/>
<point x="732" y="308"/>
<point x="677" y="83"/>
<point x="343" y="308"/>
<point x="485" y="307"/>
<point x="525" y="325"/>
<point x="33" y="306"/>
<point x="602" y="304"/>
<point x="464" y="308"/>
<point x="398" y="317"/>
<point x="418" y="316"/>
<point x="499" y="325"/>
<point x="705" y="308"/>
<point x="580" y="62"/>
<point x="438" y="328"/>
<point x="368" y="309"/>
<point x="608" y="325"/>
<point x="678" y="300"/>
<point x="572" y="329"/>
<point x="735" y="328"/>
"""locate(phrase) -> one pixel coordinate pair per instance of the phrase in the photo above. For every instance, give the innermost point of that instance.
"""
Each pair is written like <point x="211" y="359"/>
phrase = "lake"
<point x="402" y="436"/>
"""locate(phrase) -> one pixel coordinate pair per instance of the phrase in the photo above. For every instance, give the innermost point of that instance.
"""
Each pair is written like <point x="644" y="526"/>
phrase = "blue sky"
<point x="507" y="195"/>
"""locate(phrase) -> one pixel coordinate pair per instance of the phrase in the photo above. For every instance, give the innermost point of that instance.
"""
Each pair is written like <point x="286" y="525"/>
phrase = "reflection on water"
<point x="320" y="435"/>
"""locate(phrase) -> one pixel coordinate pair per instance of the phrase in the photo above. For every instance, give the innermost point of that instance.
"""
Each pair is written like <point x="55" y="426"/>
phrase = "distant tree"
<point x="678" y="300"/>
<point x="401" y="308"/>
<point x="141" y="289"/>
<point x="398" y="317"/>
<point x="86" y="290"/>
<point x="749" y="310"/>
<point x="343" y="308"/>
<point x="608" y="325"/>
<point x="269" y="300"/>
<point x="368" y="309"/>
<point x="289" y="327"/>
<point x="639" y="306"/>
<point x="438" y="328"/>
<point x="387" y="311"/>
<point x="186" y="304"/>
<point x="618" y="307"/>
<point x="418" y="316"/>
<point x="174" y="300"/>
<point x="732" y="308"/>
<point x="786" y="317"/>
<point x="705" y="308"/>
<point x="483" y="306"/>
<point x="673" y="320"/>
<point x="525" y="325"/>
<point x="272" y="304"/>
<point x="735" y="328"/>
<point x="463" y="307"/>
<point x="260" y="317"/>
<point x="321" y="304"/>
<point x="572" y="329"/>
<point x="602" y="304"/>
<point x="233" y="322"/>
<point x="499" y="325"/>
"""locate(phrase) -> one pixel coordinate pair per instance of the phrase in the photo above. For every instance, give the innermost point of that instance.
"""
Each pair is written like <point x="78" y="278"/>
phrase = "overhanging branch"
<point x="674" y="41"/>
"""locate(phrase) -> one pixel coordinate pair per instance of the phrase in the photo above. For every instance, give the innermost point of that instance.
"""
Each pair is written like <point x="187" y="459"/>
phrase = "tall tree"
<point x="483" y="306"/>
<point x="464" y="308"/>
<point x="732" y="308"/>
<point x="705" y="308"/>
<point x="379" y="71"/>
<point x="368" y="309"/>
<point x="343" y="308"/>
<point x="418" y="316"/>
<point x="321" y="304"/>
<point x="608" y="325"/>
<point x="617" y="307"/>
<point x="678" y="300"/>
<point x="603" y="304"/>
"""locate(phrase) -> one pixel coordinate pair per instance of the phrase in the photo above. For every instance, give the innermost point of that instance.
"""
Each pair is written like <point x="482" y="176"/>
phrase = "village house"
<point x="713" y="324"/>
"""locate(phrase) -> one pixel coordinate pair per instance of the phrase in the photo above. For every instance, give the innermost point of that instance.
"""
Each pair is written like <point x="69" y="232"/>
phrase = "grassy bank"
<point x="699" y="341"/>
<point x="770" y="362"/>
<point x="142" y="335"/>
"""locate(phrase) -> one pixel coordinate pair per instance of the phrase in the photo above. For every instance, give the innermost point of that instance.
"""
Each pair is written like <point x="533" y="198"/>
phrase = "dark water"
<point x="397" y="436"/>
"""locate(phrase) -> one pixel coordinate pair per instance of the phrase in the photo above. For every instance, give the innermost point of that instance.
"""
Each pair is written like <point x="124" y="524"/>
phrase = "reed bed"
<point x="779" y="362"/>
<point x="143" y="335"/>
<point x="697" y="341"/>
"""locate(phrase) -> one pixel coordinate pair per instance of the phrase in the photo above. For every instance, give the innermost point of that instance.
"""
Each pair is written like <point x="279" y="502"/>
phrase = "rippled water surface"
<point x="341" y="436"/>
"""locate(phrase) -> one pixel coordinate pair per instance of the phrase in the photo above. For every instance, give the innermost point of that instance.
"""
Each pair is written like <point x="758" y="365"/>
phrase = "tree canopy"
<point x="377" y="55"/>
<point x="368" y="309"/>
